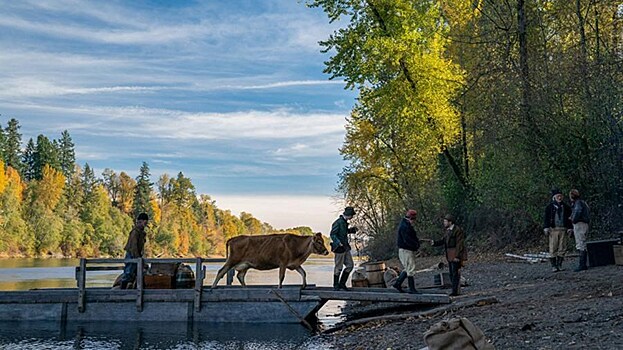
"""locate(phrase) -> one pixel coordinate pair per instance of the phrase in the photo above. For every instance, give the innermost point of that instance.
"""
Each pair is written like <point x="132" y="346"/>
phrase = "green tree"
<point x="66" y="154"/>
<point x="45" y="154"/>
<point x="12" y="145"/>
<point x="28" y="161"/>
<point x="142" y="192"/>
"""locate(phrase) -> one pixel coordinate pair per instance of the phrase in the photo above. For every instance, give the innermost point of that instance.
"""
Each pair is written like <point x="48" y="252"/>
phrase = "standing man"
<point x="341" y="248"/>
<point x="453" y="242"/>
<point x="557" y="223"/>
<point x="408" y="244"/>
<point x="580" y="218"/>
<point x="134" y="249"/>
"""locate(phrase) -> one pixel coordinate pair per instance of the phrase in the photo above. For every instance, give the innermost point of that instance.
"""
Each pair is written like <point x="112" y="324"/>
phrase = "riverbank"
<point x="536" y="309"/>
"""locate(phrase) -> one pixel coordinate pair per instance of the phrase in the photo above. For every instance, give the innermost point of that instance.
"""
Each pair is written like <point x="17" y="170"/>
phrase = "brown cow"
<point x="270" y="252"/>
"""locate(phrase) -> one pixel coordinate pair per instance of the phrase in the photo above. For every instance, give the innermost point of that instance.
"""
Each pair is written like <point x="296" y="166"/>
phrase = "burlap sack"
<point x="456" y="334"/>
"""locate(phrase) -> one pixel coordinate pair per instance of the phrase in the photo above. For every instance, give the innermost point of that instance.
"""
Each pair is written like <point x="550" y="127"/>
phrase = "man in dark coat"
<point x="557" y="223"/>
<point x="134" y="249"/>
<point x="341" y="248"/>
<point x="453" y="242"/>
<point x="408" y="244"/>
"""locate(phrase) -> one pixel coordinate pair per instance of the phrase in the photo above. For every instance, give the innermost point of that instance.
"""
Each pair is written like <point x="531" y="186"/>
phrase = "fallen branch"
<point x="450" y="307"/>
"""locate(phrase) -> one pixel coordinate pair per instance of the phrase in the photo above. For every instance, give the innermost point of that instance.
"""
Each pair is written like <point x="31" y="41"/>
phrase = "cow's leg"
<point x="223" y="270"/>
<point x="282" y="275"/>
<point x="303" y="274"/>
<point x="241" y="275"/>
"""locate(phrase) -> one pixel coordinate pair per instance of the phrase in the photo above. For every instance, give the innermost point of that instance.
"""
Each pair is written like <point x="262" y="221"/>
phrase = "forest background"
<point x="50" y="206"/>
<point x="476" y="108"/>
<point x="479" y="108"/>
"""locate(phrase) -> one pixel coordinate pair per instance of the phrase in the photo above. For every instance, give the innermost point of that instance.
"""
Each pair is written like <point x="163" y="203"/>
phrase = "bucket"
<point x="185" y="277"/>
<point x="362" y="283"/>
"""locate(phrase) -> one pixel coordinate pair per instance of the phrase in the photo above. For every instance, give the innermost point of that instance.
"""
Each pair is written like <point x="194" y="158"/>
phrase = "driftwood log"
<point x="434" y="311"/>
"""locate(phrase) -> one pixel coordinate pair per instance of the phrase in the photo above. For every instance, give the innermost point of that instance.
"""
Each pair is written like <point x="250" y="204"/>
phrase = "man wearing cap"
<point x="134" y="249"/>
<point x="580" y="218"/>
<point x="557" y="223"/>
<point x="341" y="248"/>
<point x="453" y="242"/>
<point x="408" y="244"/>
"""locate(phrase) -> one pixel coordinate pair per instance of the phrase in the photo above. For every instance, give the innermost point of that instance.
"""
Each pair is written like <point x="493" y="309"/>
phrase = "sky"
<point x="230" y="93"/>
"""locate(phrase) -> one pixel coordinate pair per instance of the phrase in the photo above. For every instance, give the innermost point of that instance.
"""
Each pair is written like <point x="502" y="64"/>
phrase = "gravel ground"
<point x="537" y="309"/>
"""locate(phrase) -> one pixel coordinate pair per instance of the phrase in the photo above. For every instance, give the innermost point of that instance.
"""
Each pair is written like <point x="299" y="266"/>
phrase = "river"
<point x="24" y="274"/>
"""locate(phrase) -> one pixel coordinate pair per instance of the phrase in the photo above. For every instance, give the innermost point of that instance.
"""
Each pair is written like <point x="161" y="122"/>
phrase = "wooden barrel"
<point x="185" y="277"/>
<point x="374" y="266"/>
<point x="376" y="279"/>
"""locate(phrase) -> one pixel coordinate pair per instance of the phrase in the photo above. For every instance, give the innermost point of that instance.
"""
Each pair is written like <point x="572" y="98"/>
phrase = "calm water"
<point x="23" y="274"/>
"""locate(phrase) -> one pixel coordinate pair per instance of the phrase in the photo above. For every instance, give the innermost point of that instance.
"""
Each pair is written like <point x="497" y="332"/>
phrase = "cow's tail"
<point x="227" y="249"/>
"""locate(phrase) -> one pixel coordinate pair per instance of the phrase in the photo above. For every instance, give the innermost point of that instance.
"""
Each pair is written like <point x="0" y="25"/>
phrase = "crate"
<point x="442" y="280"/>
<point x="600" y="253"/>
<point x="618" y="254"/>
<point x="168" y="269"/>
<point x="158" y="281"/>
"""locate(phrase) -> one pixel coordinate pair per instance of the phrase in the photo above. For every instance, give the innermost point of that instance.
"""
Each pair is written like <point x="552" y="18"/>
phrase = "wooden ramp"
<point x="375" y="294"/>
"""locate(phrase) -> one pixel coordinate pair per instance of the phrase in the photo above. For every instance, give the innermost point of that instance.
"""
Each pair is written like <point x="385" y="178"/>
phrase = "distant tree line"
<point x="479" y="108"/>
<point x="51" y="206"/>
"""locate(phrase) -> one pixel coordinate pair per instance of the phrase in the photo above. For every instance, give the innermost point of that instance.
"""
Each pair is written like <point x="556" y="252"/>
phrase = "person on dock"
<point x="134" y="249"/>
<point x="580" y="218"/>
<point x="453" y="242"/>
<point x="408" y="244"/>
<point x="341" y="248"/>
<point x="557" y="223"/>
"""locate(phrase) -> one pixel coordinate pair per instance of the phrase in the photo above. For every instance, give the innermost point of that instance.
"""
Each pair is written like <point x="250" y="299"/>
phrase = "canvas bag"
<point x="456" y="334"/>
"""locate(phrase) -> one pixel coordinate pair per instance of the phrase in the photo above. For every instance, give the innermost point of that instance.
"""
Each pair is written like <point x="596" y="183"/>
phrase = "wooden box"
<point x="600" y="253"/>
<point x="618" y="254"/>
<point x="168" y="269"/>
<point x="158" y="282"/>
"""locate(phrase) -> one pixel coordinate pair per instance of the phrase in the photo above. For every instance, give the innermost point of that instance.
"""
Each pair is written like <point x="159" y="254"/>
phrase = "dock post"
<point x="230" y="277"/>
<point x="82" y="284"/>
<point x="139" y="285"/>
<point x="198" y="284"/>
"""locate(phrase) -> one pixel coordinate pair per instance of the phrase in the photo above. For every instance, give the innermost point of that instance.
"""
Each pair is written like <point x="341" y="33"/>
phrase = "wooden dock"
<point x="254" y="304"/>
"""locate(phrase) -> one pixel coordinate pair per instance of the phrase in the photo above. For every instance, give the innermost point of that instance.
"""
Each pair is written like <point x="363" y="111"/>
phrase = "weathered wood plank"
<point x="379" y="296"/>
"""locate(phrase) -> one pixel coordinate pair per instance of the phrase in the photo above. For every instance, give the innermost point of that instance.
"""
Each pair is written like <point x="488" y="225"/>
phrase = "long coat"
<point x="453" y="242"/>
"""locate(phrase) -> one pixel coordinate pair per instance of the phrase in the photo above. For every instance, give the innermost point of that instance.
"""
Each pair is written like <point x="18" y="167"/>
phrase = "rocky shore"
<point x="535" y="309"/>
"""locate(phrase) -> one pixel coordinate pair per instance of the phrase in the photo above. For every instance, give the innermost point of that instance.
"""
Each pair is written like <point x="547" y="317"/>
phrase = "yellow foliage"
<point x="3" y="177"/>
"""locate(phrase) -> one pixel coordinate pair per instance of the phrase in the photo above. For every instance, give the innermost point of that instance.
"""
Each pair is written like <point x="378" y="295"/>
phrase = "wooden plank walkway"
<point x="376" y="294"/>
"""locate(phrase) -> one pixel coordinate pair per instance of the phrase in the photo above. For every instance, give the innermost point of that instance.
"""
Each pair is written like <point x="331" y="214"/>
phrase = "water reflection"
<point x="157" y="335"/>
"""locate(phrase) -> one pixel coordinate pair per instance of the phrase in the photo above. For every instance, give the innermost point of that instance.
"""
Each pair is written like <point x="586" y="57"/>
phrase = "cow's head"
<point x="318" y="243"/>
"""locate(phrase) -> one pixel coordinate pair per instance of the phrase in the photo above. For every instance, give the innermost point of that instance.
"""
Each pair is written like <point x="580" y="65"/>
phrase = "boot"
<point x="336" y="282"/>
<point x="343" y="279"/>
<point x="124" y="285"/>
<point x="399" y="280"/>
<point x="456" y="279"/>
<point x="411" y="281"/>
<point x="554" y="263"/>
<point x="559" y="263"/>
<point x="582" y="261"/>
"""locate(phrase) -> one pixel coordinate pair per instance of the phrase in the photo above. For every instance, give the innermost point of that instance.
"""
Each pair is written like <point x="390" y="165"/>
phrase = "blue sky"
<point x="231" y="93"/>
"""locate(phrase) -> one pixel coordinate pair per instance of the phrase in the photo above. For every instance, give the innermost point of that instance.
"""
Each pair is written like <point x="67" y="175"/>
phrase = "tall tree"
<point x="28" y="161"/>
<point x="12" y="145"/>
<point x="45" y="154"/>
<point x="66" y="154"/>
<point x="142" y="192"/>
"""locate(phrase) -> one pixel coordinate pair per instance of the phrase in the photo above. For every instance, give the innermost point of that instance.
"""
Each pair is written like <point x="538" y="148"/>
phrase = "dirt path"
<point x="537" y="309"/>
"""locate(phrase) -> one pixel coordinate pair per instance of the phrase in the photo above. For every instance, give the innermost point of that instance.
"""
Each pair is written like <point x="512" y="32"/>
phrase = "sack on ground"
<point x="456" y="333"/>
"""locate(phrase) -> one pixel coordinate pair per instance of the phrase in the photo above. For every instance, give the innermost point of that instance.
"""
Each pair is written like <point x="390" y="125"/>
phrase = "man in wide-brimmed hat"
<point x="341" y="248"/>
